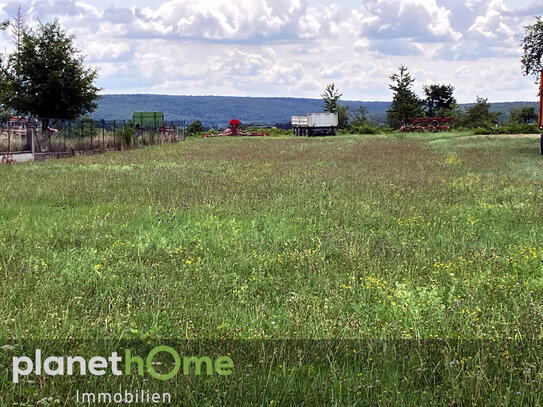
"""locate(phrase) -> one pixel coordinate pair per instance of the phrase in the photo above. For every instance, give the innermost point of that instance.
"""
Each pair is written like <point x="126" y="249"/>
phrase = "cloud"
<point x="296" y="47"/>
<point x="418" y="20"/>
<point x="223" y="19"/>
<point x="492" y="33"/>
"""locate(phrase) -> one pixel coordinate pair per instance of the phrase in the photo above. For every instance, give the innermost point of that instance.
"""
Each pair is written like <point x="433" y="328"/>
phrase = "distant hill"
<point x="218" y="110"/>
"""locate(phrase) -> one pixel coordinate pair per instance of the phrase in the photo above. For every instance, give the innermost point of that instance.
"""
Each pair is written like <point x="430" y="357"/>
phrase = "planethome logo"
<point x="119" y="365"/>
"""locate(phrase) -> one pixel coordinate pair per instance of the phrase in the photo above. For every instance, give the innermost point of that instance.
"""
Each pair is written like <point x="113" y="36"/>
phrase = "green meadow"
<point x="403" y="242"/>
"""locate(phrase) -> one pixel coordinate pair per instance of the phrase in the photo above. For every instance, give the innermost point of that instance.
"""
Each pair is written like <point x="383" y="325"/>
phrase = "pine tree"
<point x="405" y="103"/>
<point x="331" y="98"/>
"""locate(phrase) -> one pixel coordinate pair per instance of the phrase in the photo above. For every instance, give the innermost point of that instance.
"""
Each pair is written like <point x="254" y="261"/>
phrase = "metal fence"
<point x="69" y="136"/>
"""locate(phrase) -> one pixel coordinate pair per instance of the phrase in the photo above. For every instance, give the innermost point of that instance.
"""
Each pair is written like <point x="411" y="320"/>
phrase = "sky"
<point x="295" y="48"/>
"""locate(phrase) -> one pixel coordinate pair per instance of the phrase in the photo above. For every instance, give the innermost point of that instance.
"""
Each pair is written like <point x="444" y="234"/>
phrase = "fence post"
<point x="9" y="139"/>
<point x="29" y="137"/>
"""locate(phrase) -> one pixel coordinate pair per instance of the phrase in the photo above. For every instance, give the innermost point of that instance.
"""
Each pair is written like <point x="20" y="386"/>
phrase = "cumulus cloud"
<point x="294" y="47"/>
<point x="419" y="20"/>
<point x="492" y="33"/>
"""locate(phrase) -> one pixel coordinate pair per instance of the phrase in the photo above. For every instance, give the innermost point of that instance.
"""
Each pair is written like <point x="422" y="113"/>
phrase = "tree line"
<point x="439" y="99"/>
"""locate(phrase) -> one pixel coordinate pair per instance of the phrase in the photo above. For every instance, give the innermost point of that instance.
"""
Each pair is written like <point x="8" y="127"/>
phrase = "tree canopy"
<point x="532" y="45"/>
<point x="405" y="103"/>
<point x="331" y="98"/>
<point x="439" y="99"/>
<point x="479" y="115"/>
<point x="50" y="80"/>
<point x="523" y="115"/>
<point x="195" y="128"/>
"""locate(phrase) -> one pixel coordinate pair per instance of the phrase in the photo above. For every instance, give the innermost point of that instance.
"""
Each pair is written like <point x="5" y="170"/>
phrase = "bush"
<point x="483" y="131"/>
<point x="195" y="128"/>
<point x="365" y="129"/>
<point x="275" y="132"/>
<point x="511" y="128"/>
<point x="127" y="133"/>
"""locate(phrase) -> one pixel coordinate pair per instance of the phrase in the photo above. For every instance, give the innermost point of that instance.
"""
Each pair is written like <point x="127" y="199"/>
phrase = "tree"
<point x="331" y="98"/>
<point x="5" y="92"/>
<point x="5" y="83"/>
<point x="360" y="117"/>
<point x="405" y="103"/>
<point x="331" y="104"/>
<point x="479" y="115"/>
<point x="439" y="99"/>
<point x="343" y="115"/>
<point x="532" y="45"/>
<point x="18" y="29"/>
<point x="195" y="128"/>
<point x="523" y="115"/>
<point x="53" y="82"/>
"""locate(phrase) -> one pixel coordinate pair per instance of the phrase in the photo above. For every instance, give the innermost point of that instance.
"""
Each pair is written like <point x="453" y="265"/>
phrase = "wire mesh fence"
<point x="70" y="136"/>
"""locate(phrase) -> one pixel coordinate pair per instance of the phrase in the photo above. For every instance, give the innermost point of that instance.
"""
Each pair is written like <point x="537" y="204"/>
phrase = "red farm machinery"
<point x="433" y="124"/>
<point x="234" y="130"/>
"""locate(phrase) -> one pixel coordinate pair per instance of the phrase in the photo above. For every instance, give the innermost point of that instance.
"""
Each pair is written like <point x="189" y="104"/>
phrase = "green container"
<point x="148" y="120"/>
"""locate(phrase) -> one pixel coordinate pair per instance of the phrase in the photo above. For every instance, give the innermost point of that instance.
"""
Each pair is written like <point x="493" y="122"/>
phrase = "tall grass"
<point x="396" y="239"/>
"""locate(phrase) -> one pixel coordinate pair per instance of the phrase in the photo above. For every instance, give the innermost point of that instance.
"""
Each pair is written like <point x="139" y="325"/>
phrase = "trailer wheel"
<point x="435" y="123"/>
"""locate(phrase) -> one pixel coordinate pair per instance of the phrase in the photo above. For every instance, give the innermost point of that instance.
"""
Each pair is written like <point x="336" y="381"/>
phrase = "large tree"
<point x="532" y="59"/>
<point x="532" y="45"/>
<point x="479" y="115"/>
<point x="439" y="99"/>
<point x="6" y="82"/>
<point x="52" y="81"/>
<point x="405" y="103"/>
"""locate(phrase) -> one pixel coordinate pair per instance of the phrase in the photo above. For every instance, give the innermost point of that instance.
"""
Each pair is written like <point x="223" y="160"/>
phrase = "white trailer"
<point x="315" y="123"/>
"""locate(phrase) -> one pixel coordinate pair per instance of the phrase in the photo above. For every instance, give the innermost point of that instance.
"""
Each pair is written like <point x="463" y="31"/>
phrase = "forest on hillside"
<point x="218" y="110"/>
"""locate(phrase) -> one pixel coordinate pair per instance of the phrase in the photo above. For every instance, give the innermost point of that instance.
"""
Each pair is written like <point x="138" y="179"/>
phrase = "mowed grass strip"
<point x="347" y="237"/>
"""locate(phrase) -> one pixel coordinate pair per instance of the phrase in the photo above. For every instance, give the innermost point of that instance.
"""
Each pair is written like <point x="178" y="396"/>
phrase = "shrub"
<point x="365" y="129"/>
<point x="484" y="130"/>
<point x="127" y="133"/>
<point x="195" y="128"/>
<point x="511" y="128"/>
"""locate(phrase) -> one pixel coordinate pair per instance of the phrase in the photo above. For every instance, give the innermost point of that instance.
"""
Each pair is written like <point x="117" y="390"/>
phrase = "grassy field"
<point x="402" y="242"/>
